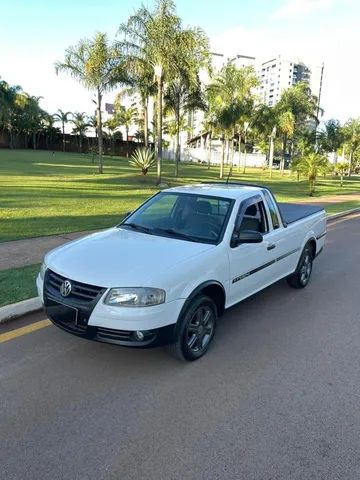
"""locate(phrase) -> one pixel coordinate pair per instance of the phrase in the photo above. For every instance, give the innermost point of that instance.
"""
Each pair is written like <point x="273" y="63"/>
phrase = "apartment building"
<point x="278" y="74"/>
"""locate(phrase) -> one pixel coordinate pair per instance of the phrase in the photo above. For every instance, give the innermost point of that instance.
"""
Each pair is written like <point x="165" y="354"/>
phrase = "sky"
<point x="35" y="33"/>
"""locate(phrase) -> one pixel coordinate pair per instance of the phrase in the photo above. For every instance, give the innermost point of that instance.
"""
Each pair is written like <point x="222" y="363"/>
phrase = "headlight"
<point x="135" y="297"/>
<point x="42" y="271"/>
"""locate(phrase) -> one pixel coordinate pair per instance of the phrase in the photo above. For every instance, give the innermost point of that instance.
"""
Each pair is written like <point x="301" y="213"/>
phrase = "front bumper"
<point x="109" y="324"/>
<point x="126" y="338"/>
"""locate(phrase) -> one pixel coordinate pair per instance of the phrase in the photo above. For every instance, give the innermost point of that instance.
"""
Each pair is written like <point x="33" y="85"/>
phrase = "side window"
<point x="255" y="218"/>
<point x="272" y="208"/>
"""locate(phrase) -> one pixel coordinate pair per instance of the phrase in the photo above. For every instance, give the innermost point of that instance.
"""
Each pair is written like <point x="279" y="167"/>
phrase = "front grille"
<point x="79" y="291"/>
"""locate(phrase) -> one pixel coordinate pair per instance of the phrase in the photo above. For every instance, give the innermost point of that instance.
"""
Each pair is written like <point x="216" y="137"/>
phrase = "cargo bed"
<point x="292" y="212"/>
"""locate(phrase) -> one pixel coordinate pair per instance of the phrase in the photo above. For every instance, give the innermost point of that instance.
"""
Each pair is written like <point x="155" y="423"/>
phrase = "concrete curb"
<point x="343" y="214"/>
<point x="15" y="310"/>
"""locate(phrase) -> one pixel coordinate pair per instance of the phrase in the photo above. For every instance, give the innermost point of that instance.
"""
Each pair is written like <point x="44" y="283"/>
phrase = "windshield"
<point x="192" y="217"/>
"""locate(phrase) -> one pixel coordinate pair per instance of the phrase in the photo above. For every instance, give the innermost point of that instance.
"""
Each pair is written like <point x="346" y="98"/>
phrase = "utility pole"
<point x="318" y="106"/>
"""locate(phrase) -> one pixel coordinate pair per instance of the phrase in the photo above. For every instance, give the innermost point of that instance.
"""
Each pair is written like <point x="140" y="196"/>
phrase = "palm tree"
<point x="99" y="66"/>
<point x="311" y="165"/>
<point x="149" y="37"/>
<point x="157" y="40"/>
<point x="230" y="103"/>
<point x="180" y="97"/>
<point x="351" y="132"/>
<point x="81" y="125"/>
<point x="12" y="102"/>
<point x="141" y="77"/>
<point x="63" y="117"/>
<point x="286" y="126"/>
<point x="331" y="137"/>
<point x="112" y="124"/>
<point x="32" y="118"/>
<point x="49" y="130"/>
<point x="264" y="123"/>
<point x="295" y="109"/>
<point x="341" y="168"/>
<point x="127" y="117"/>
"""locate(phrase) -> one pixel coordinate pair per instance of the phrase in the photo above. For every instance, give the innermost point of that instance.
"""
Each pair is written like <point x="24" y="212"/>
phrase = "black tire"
<point x="300" y="278"/>
<point x="196" y="330"/>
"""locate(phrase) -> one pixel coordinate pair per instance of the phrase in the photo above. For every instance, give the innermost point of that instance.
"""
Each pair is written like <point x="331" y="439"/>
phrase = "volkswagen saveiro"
<point x="165" y="274"/>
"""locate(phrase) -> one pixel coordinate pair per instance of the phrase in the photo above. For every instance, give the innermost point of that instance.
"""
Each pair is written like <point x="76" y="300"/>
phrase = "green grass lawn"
<point x="18" y="284"/>
<point x="46" y="194"/>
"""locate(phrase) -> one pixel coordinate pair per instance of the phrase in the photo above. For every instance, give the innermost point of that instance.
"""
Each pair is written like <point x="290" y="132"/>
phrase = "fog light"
<point x="139" y="335"/>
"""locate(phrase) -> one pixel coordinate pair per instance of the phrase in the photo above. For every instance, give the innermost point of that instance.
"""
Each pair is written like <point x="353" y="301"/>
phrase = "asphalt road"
<point x="277" y="396"/>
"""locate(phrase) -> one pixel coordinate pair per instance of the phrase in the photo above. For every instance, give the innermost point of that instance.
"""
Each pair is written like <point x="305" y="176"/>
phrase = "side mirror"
<point x="127" y="214"/>
<point x="246" y="236"/>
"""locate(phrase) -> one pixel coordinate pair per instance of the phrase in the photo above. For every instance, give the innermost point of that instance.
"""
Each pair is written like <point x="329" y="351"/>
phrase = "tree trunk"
<point x="99" y="128"/>
<point x="159" y="126"/>
<point x="283" y="155"/>
<point x="341" y="180"/>
<point x="232" y="150"/>
<point x="127" y="141"/>
<point x="177" y="141"/>
<point x="209" y="149"/>
<point x="271" y="153"/>
<point x="34" y="140"/>
<point x="350" y="162"/>
<point x="63" y="132"/>
<point x="239" y="152"/>
<point x="146" y="124"/>
<point x="244" y="169"/>
<point x="222" y="157"/>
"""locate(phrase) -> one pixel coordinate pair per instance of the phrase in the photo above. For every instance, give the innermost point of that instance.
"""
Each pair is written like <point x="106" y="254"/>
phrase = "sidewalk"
<point x="19" y="253"/>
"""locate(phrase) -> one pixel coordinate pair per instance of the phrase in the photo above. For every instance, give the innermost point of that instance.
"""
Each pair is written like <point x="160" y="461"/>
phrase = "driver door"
<point x="251" y="264"/>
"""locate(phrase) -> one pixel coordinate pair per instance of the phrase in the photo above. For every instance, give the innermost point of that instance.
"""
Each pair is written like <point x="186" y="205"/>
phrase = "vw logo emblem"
<point x="65" y="288"/>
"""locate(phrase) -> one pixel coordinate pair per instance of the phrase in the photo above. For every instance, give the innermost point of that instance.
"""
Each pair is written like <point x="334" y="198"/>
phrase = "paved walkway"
<point x="20" y="253"/>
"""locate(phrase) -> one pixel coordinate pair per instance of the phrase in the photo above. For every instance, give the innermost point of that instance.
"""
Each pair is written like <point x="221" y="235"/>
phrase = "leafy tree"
<point x="64" y="118"/>
<point x="99" y="66"/>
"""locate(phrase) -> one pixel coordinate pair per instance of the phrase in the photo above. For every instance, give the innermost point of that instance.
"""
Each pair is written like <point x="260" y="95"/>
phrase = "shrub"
<point x="143" y="158"/>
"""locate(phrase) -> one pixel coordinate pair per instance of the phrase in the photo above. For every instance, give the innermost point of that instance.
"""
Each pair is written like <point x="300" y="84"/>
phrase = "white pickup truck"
<point x="165" y="274"/>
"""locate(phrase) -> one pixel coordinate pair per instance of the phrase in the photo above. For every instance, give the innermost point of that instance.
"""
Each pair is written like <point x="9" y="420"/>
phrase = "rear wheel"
<point x="300" y="278"/>
<point x="197" y="329"/>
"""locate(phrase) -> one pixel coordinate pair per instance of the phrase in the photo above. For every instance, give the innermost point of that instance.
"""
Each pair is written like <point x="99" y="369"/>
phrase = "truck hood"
<point x="119" y="257"/>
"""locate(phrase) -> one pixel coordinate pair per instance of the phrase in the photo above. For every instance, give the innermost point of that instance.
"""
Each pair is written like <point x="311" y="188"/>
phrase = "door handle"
<point x="271" y="247"/>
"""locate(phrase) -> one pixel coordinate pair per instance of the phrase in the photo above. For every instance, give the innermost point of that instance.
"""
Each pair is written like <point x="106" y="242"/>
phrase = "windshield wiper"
<point x="135" y="226"/>
<point x="184" y="236"/>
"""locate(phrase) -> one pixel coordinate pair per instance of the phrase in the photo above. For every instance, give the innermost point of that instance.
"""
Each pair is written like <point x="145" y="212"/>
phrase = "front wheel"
<point x="300" y="278"/>
<point x="197" y="329"/>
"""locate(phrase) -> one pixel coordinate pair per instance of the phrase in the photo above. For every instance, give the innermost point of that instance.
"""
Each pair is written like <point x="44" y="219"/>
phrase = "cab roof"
<point x="225" y="190"/>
